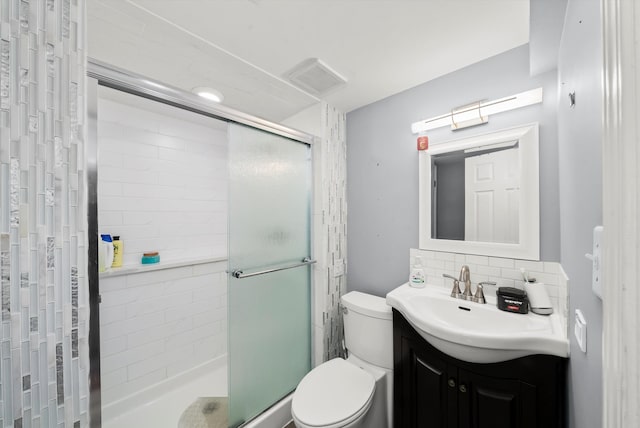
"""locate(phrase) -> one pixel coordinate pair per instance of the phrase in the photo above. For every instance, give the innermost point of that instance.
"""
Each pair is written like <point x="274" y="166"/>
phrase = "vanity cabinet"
<point x="434" y="390"/>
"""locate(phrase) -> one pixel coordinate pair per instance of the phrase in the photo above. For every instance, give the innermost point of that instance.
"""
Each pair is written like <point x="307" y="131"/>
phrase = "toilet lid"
<point x="332" y="392"/>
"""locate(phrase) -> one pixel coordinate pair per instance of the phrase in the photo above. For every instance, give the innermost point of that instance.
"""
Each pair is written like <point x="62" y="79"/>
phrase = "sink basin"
<point x="475" y="332"/>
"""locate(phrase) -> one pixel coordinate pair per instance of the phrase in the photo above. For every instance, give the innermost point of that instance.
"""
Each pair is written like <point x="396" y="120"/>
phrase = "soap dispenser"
<point x="417" y="278"/>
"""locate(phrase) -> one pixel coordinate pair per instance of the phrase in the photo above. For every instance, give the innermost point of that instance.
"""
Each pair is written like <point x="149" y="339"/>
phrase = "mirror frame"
<point x="529" y="205"/>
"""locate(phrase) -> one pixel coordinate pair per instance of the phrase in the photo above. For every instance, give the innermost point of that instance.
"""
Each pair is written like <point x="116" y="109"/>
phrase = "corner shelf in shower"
<point x="170" y="264"/>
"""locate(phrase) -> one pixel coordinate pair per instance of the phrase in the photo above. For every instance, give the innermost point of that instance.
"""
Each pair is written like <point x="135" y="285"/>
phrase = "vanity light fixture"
<point x="478" y="112"/>
<point x="208" y="94"/>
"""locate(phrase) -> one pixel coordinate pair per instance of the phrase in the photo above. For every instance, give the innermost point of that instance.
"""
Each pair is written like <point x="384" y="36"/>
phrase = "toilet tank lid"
<point x="367" y="304"/>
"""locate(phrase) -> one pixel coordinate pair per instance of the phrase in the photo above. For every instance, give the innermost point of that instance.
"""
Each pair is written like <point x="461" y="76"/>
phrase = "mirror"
<point x="480" y="195"/>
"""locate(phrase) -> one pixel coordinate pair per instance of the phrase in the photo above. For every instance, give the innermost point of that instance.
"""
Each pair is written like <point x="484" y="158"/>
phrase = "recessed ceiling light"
<point x="208" y="94"/>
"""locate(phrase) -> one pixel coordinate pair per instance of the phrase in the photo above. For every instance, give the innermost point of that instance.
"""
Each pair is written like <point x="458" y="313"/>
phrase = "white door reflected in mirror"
<point x="491" y="185"/>
<point x="480" y="195"/>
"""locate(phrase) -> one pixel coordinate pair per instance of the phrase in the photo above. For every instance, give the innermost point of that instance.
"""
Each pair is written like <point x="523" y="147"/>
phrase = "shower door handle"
<point x="238" y="273"/>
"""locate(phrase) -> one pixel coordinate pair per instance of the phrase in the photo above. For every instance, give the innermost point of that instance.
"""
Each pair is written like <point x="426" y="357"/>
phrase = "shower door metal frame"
<point x="136" y="84"/>
<point x="103" y="74"/>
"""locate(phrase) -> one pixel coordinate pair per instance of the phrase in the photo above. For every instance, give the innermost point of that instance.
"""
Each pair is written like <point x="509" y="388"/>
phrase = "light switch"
<point x="596" y="261"/>
<point x="580" y="330"/>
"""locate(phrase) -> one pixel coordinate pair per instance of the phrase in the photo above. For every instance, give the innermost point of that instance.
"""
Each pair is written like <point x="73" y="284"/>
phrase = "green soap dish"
<point x="150" y="259"/>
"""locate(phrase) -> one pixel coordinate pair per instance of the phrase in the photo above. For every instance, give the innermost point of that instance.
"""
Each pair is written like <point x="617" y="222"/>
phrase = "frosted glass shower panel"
<point x="270" y="180"/>
<point x="269" y="227"/>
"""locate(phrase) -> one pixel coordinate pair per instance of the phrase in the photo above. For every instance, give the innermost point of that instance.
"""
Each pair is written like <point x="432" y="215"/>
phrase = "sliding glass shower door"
<point x="269" y="269"/>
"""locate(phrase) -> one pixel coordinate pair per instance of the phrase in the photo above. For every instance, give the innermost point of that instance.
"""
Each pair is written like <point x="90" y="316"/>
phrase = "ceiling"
<point x="243" y="48"/>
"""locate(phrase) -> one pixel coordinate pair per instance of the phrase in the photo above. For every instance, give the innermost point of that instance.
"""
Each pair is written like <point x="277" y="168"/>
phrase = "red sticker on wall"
<point x="423" y="142"/>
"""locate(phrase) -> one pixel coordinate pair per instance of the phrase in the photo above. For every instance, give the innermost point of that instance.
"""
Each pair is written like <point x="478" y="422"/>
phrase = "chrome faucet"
<point x="465" y="277"/>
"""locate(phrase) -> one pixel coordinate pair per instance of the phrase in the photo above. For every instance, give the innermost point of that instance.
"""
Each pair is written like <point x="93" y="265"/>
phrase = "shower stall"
<point x="221" y="326"/>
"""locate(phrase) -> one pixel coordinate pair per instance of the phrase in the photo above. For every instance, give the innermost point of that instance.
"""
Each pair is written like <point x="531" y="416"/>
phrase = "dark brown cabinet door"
<point x="421" y="389"/>
<point x="434" y="390"/>
<point x="488" y="402"/>
<point x="435" y="393"/>
<point x="426" y="388"/>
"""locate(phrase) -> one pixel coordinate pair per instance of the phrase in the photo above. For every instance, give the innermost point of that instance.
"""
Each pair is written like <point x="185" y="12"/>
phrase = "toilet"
<point x="356" y="392"/>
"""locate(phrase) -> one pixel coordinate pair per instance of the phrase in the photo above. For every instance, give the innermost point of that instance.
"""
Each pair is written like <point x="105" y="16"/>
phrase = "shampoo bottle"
<point x="118" y="247"/>
<point x="417" y="278"/>
<point x="105" y="253"/>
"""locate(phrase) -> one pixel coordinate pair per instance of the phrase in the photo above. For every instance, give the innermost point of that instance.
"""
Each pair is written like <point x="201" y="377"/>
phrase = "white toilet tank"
<point x="368" y="328"/>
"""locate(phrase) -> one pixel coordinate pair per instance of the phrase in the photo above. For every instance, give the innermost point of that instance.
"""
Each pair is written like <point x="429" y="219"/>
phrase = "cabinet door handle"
<point x="452" y="382"/>
<point x="463" y="388"/>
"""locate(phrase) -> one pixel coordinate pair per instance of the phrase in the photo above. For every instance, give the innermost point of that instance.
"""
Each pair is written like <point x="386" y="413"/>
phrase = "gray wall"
<point x="382" y="163"/>
<point x="545" y="30"/>
<point x="580" y="136"/>
<point x="450" y="199"/>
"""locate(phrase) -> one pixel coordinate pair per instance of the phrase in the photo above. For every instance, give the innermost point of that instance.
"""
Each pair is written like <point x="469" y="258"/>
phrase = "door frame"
<point x="621" y="194"/>
<point x="91" y="165"/>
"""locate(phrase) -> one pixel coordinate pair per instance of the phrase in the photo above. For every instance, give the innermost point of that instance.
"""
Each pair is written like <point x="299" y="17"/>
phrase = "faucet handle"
<point x="455" y="292"/>
<point x="487" y="283"/>
<point x="479" y="296"/>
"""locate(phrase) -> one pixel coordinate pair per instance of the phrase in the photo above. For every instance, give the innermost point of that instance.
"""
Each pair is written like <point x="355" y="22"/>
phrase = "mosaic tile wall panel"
<point x="330" y="279"/>
<point x="43" y="335"/>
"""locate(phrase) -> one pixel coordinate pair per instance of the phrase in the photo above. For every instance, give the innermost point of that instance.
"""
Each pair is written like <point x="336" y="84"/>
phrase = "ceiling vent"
<point x="315" y="77"/>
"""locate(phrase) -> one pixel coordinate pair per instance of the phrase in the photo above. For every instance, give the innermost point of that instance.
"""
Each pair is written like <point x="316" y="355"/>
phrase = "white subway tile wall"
<point x="162" y="186"/>
<point x="159" y="324"/>
<point x="44" y="353"/>
<point x="162" y="182"/>
<point x="504" y="272"/>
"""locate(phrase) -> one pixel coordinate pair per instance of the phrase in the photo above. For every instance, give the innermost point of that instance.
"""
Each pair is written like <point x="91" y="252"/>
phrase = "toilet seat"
<point x="332" y="395"/>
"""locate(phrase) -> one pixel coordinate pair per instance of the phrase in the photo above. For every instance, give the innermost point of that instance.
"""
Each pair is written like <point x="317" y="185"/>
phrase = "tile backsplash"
<point x="504" y="272"/>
